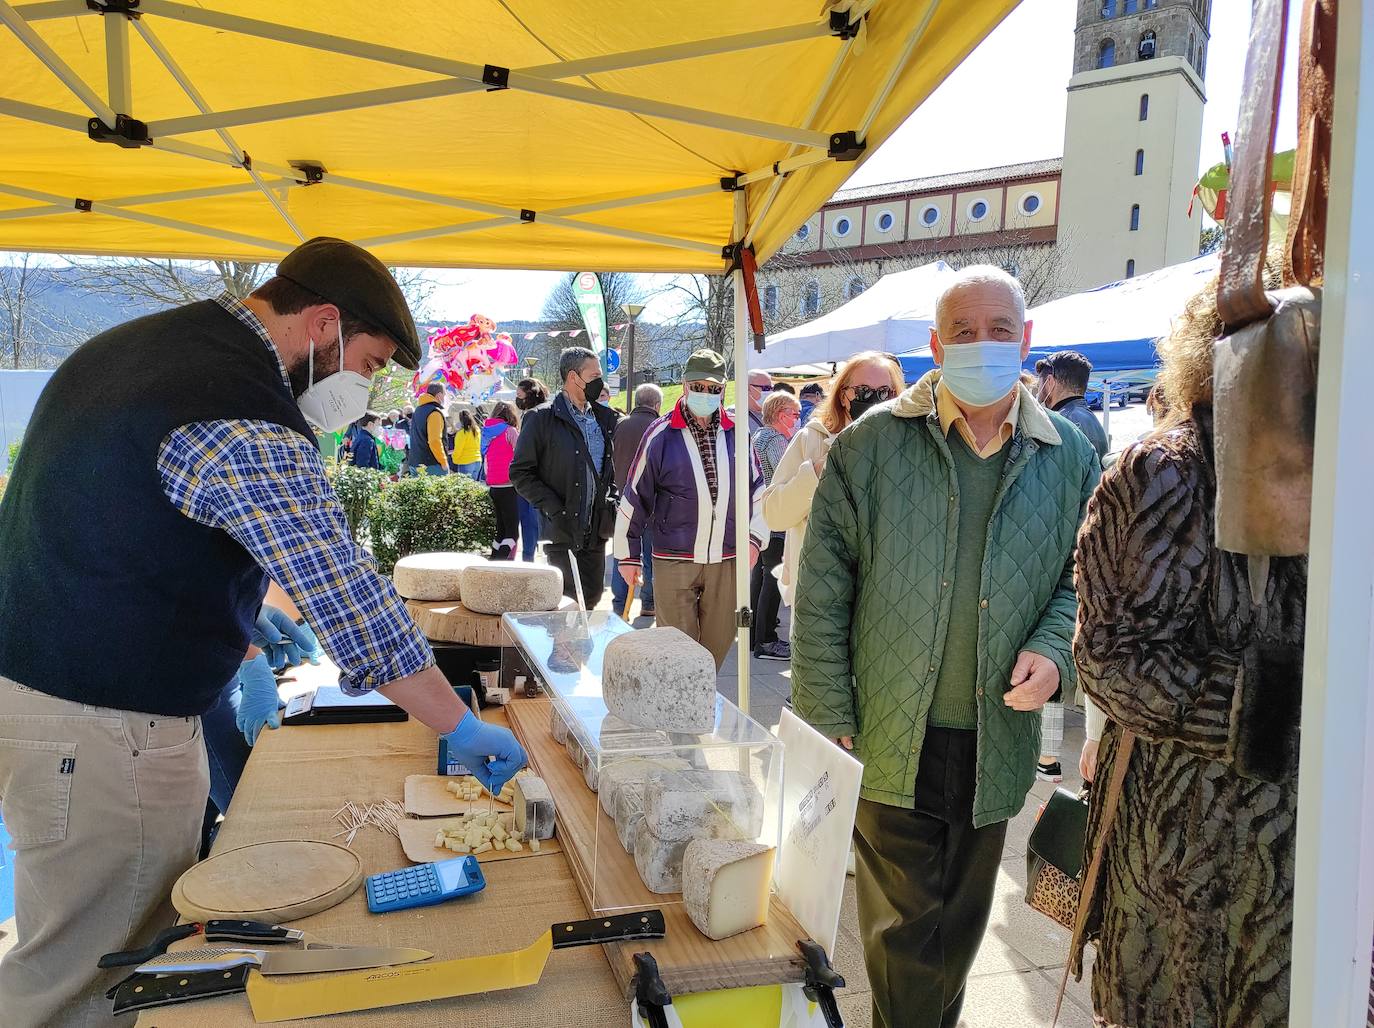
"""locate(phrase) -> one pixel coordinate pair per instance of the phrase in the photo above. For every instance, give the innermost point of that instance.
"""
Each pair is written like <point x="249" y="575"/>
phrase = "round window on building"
<point x="803" y="232"/>
<point x="930" y="215"/>
<point x="885" y="221"/>
<point x="842" y="226"/>
<point x="977" y="210"/>
<point x="1030" y="203"/>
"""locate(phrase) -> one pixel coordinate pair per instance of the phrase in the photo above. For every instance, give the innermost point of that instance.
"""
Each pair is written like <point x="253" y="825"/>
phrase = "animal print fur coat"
<point x="1194" y="908"/>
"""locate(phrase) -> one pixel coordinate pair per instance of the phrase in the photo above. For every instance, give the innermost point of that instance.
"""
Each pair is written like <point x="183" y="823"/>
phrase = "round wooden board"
<point x="269" y="881"/>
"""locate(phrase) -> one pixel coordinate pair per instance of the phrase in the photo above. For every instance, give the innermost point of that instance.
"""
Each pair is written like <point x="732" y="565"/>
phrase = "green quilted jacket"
<point x="872" y="599"/>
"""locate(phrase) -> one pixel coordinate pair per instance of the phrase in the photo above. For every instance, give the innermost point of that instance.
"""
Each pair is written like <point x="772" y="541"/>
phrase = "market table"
<point x="448" y="623"/>
<point x="297" y="778"/>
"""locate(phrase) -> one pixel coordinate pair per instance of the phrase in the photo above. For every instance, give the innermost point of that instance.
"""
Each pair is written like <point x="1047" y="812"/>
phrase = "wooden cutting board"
<point x="428" y="796"/>
<point x="417" y="839"/>
<point x="450" y="621"/>
<point x="269" y="881"/>
<point x="687" y="960"/>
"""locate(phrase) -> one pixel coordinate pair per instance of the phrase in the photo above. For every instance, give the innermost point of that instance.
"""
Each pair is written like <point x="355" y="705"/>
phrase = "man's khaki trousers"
<point x="104" y="808"/>
<point x="698" y="599"/>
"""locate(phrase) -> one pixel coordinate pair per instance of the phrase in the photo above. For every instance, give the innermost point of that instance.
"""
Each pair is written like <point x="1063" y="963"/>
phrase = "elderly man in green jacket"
<point x="934" y="618"/>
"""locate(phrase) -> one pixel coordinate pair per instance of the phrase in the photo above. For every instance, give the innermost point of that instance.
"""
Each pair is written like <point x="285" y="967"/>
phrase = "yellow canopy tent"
<point x="616" y="134"/>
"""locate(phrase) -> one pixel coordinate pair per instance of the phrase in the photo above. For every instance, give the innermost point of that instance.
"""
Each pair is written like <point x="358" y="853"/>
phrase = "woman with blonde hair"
<point x="1193" y="911"/>
<point x="865" y="380"/>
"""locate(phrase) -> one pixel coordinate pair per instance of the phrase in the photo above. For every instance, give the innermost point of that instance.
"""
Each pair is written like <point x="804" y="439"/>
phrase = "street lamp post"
<point x="632" y="311"/>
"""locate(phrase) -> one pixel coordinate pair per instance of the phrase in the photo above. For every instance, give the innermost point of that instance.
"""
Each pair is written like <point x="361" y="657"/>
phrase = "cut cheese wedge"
<point x="534" y="808"/>
<point x="725" y="885"/>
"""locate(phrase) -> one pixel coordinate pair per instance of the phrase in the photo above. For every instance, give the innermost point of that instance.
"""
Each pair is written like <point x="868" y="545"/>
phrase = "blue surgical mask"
<point x="703" y="405"/>
<point x="979" y="374"/>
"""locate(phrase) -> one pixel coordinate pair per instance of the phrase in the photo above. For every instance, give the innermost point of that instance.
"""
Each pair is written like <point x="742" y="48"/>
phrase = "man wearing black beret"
<point x="133" y="565"/>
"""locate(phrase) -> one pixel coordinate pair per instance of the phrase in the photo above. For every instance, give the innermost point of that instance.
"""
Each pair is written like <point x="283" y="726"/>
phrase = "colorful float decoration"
<point x="466" y="356"/>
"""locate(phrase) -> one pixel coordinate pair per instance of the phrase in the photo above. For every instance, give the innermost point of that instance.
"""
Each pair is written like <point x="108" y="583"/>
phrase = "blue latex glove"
<point x="259" y="704"/>
<point x="488" y="751"/>
<point x="285" y="642"/>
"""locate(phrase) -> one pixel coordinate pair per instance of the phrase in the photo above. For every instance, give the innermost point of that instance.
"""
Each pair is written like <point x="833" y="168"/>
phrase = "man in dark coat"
<point x="563" y="466"/>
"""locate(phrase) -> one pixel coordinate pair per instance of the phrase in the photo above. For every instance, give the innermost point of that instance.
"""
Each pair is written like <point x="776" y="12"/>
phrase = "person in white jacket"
<point x="865" y="380"/>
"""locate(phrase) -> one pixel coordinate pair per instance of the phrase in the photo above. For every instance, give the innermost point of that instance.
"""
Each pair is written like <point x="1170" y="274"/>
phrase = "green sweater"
<point x="955" y="703"/>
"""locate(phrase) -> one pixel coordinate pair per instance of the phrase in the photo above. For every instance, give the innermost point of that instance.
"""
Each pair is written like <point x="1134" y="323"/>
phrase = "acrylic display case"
<point x="636" y="795"/>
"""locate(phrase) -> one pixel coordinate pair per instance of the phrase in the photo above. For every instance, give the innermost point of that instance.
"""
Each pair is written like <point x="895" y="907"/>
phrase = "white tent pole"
<point x="457" y="85"/>
<point x="473" y="73"/>
<point x="761" y="211"/>
<point x="743" y="464"/>
<point x="880" y="98"/>
<point x="233" y="160"/>
<point x="117" y="71"/>
<point x="52" y="9"/>
<point x="184" y="81"/>
<point x="431" y="233"/>
<point x="55" y="64"/>
<point x="139" y="201"/>
<point x="99" y="207"/>
<point x="43" y="115"/>
<point x="785" y="167"/>
<point x="1333" y="901"/>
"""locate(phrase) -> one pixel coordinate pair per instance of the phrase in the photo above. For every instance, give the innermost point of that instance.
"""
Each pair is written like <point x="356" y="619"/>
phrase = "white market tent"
<point x="893" y="316"/>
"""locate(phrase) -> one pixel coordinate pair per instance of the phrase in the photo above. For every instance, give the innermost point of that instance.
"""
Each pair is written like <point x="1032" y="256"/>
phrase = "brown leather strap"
<point x="1110" y="802"/>
<point x="1240" y="296"/>
<point x="1306" y="243"/>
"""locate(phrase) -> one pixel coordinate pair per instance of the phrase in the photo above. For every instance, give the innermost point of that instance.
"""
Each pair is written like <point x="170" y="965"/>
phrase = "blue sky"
<point x="1015" y="82"/>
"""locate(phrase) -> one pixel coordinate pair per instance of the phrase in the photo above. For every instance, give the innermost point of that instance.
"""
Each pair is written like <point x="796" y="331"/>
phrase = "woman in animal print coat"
<point x="1193" y="910"/>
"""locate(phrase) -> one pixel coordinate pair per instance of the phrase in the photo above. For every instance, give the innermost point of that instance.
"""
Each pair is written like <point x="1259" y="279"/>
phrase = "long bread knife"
<point x="275" y="999"/>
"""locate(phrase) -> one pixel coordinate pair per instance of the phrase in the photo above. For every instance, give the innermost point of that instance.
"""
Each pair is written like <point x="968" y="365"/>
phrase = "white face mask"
<point x="336" y="400"/>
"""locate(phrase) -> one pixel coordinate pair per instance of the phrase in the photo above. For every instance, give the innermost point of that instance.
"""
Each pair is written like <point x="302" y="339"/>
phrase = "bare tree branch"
<point x="33" y="333"/>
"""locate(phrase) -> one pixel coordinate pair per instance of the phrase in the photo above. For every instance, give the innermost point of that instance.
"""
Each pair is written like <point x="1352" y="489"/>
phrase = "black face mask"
<point x="525" y="402"/>
<point x="592" y="389"/>
<point x="858" y="408"/>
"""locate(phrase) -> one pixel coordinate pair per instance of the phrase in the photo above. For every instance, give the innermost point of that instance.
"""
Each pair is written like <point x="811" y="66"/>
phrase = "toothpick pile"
<point x="383" y="816"/>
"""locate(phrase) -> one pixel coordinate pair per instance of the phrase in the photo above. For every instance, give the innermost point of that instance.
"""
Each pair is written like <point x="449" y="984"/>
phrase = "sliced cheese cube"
<point x="660" y="678"/>
<point x="534" y="808"/>
<point x="725" y="885"/>
<point x="703" y="804"/>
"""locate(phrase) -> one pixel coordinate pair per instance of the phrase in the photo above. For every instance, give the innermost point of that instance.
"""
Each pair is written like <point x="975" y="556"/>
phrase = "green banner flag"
<point x="591" y="302"/>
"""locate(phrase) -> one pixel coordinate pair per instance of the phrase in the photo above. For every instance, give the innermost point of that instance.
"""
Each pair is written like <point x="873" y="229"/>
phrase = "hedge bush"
<point x="425" y="513"/>
<point x="356" y="488"/>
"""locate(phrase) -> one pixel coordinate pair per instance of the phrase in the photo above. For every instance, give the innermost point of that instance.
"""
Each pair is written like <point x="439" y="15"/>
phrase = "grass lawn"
<point x="671" y="394"/>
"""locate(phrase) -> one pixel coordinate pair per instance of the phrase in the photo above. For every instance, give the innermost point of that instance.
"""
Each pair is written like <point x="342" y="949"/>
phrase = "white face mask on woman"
<point x="335" y="400"/>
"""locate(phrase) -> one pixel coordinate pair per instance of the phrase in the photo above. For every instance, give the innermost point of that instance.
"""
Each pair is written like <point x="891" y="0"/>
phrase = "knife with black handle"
<point x="215" y="931"/>
<point x="140" y="991"/>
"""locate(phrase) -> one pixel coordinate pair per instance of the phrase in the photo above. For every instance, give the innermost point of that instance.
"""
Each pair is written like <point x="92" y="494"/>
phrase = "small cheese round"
<point x="503" y="586"/>
<point x="432" y="577"/>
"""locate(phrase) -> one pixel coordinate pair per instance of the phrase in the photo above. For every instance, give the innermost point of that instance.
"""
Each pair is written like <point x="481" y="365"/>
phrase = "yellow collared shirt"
<point x="951" y="417"/>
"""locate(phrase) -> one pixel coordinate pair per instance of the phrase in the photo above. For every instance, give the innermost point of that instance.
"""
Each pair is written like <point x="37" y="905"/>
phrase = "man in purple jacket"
<point x="681" y="484"/>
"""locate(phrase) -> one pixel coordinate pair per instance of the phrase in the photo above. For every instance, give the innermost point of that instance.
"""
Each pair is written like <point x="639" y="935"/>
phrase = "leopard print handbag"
<point x="1054" y="857"/>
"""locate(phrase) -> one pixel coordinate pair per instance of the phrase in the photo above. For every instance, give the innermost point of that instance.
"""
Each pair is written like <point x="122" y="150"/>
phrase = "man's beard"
<point x="299" y="373"/>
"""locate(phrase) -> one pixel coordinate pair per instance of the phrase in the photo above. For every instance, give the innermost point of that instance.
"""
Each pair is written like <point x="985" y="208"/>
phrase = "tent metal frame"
<point x="114" y="121"/>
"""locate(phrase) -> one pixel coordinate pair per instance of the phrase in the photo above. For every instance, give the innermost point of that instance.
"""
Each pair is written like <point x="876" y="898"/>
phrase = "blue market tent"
<point x="1115" y="326"/>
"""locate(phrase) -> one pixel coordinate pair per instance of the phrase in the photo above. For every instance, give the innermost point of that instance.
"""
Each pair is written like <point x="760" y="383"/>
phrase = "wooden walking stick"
<point x="629" y="601"/>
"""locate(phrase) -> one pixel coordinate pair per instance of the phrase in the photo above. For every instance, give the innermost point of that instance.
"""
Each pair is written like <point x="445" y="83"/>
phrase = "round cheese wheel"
<point x="432" y="576"/>
<point x="502" y="586"/>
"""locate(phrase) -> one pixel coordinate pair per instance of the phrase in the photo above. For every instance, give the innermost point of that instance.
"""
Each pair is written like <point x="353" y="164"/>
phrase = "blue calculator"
<point x="424" y="884"/>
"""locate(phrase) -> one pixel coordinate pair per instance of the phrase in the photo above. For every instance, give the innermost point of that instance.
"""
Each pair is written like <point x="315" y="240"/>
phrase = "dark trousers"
<point x="924" y="882"/>
<point x="503" y="502"/>
<point x="764" y="595"/>
<point x="530" y="527"/>
<point x="591" y="568"/>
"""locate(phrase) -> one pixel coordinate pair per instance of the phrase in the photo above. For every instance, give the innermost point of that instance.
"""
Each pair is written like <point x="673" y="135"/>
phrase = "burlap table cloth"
<point x="295" y="781"/>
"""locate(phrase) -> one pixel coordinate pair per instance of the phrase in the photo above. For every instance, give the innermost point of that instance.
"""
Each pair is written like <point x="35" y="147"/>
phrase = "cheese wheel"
<point x="725" y="885"/>
<point x="503" y="586"/>
<point x="432" y="577"/>
<point x="617" y="772"/>
<point x="660" y="678"/>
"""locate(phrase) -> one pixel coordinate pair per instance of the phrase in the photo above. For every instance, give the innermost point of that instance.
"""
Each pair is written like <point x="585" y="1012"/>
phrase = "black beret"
<point x="351" y="278"/>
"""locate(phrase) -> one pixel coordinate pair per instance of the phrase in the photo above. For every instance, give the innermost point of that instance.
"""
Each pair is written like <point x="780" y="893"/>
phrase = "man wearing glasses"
<point x="760" y="388"/>
<point x="681" y="484"/>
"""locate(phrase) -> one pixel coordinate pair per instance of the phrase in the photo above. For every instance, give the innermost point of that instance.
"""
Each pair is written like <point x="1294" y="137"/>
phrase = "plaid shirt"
<point x="265" y="486"/>
<point x="705" y="438"/>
